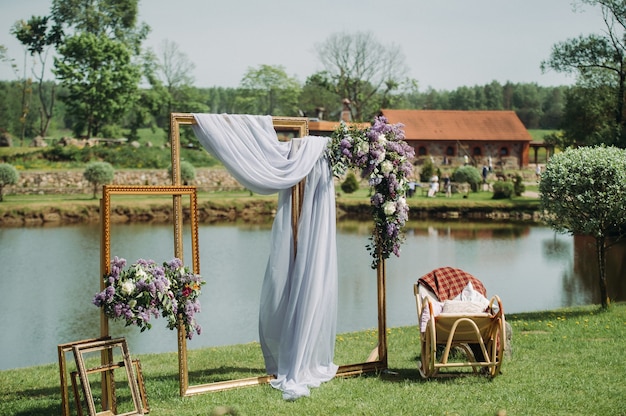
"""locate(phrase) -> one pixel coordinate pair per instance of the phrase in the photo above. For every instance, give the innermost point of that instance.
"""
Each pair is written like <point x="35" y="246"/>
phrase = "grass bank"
<point x="564" y="362"/>
<point x="19" y="210"/>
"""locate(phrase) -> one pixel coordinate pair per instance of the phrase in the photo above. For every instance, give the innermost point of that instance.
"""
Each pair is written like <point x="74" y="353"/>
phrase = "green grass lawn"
<point x="564" y="362"/>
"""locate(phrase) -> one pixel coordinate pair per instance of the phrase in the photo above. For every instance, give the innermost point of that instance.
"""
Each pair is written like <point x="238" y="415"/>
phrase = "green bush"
<point x="187" y="172"/>
<point x="350" y="184"/>
<point x="503" y="190"/>
<point x="518" y="186"/>
<point x="427" y="171"/>
<point x="468" y="174"/>
<point x="99" y="173"/>
<point x="8" y="176"/>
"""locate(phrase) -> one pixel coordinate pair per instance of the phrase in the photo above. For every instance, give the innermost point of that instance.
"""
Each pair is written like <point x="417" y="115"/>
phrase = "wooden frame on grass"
<point x="107" y="347"/>
<point x="377" y="360"/>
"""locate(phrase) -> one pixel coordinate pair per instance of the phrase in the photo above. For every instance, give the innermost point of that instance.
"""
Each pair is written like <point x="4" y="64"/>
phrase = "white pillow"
<point x="463" y="306"/>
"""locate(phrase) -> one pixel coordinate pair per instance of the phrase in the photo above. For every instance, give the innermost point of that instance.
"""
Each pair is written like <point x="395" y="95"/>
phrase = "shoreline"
<point x="252" y="211"/>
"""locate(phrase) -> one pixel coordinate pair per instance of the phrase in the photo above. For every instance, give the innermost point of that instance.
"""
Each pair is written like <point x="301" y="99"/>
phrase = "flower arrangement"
<point x="146" y="290"/>
<point x="384" y="158"/>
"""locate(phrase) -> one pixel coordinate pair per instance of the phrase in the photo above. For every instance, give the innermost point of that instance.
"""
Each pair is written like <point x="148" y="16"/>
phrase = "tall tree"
<point x="269" y="90"/>
<point x="363" y="70"/>
<point x="101" y="80"/>
<point x="39" y="37"/>
<point x="100" y="39"/>
<point x="587" y="56"/>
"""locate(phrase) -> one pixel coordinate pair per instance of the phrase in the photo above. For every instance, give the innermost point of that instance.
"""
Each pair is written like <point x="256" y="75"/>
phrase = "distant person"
<point x="465" y="160"/>
<point x="434" y="186"/>
<point x="489" y="164"/>
<point x="485" y="173"/>
<point x="538" y="171"/>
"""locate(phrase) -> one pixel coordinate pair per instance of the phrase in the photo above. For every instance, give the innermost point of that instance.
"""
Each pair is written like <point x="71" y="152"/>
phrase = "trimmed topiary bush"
<point x="8" y="176"/>
<point x="187" y="172"/>
<point x="350" y="184"/>
<point x="99" y="173"/>
<point x="503" y="190"/>
<point x="468" y="174"/>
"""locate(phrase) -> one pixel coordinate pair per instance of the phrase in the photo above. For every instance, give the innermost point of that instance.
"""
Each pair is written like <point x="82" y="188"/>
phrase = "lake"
<point x="50" y="275"/>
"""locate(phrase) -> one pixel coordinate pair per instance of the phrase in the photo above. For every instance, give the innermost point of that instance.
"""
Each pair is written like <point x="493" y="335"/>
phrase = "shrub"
<point x="187" y="172"/>
<point x="502" y="190"/>
<point x="468" y="174"/>
<point x="518" y="186"/>
<point x="99" y="173"/>
<point x="350" y="184"/>
<point x="427" y="171"/>
<point x="8" y="176"/>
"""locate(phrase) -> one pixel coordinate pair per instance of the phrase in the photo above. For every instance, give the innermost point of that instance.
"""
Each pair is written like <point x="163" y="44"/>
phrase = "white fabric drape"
<point x="298" y="308"/>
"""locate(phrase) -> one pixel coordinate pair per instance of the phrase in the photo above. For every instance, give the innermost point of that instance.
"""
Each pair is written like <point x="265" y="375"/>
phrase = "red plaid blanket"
<point x="448" y="282"/>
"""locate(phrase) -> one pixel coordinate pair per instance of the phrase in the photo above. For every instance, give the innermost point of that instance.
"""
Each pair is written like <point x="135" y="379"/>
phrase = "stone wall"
<point x="73" y="182"/>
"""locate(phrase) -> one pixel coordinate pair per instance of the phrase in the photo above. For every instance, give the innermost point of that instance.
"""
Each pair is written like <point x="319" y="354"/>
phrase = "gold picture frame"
<point x="377" y="359"/>
<point x="176" y="192"/>
<point x="106" y="347"/>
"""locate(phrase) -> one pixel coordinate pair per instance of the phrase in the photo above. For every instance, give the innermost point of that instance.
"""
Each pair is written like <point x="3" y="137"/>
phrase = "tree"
<point x="101" y="79"/>
<point x="583" y="192"/>
<point x="39" y="38"/>
<point x="98" y="173"/>
<point x="595" y="57"/>
<point x="363" y="70"/>
<point x="269" y="90"/>
<point x="98" y="43"/>
<point x="8" y="176"/>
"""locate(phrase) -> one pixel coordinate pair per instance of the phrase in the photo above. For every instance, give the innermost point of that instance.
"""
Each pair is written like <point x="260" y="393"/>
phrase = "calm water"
<point x="49" y="276"/>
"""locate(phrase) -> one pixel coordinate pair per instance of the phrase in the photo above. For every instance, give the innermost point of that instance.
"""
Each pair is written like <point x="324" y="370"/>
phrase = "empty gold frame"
<point x="177" y="192"/>
<point x="377" y="359"/>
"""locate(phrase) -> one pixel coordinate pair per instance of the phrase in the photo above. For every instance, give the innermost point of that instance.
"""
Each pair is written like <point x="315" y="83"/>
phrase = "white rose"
<point x="382" y="139"/>
<point x="363" y="147"/>
<point x="381" y="156"/>
<point x="128" y="287"/>
<point x="141" y="273"/>
<point x="389" y="208"/>
<point x="386" y="166"/>
<point x="402" y="202"/>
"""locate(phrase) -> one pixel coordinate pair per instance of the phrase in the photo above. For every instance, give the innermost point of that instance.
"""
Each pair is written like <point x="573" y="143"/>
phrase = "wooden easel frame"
<point x="377" y="360"/>
<point x="106" y="347"/>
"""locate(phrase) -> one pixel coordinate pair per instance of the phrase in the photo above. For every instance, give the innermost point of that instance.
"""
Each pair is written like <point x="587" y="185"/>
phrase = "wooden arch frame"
<point x="377" y="360"/>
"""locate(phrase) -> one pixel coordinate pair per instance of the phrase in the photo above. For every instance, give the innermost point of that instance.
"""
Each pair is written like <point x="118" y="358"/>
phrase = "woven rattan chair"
<point x="463" y="335"/>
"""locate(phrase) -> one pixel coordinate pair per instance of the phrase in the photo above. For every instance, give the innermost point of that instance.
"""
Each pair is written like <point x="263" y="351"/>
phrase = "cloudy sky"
<point x="446" y="43"/>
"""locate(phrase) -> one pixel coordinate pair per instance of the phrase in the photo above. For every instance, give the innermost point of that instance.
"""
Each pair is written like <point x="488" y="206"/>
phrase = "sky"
<point x="446" y="43"/>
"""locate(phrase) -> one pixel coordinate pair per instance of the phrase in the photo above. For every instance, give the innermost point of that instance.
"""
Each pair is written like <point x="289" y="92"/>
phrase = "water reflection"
<point x="51" y="274"/>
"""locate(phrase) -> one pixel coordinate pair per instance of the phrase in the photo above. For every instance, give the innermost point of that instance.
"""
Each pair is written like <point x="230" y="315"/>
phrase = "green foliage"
<point x="502" y="190"/>
<point x="187" y="172"/>
<point x="595" y="107"/>
<point x="99" y="173"/>
<point x="427" y="171"/>
<point x="583" y="192"/>
<point x="8" y="176"/>
<point x="270" y="91"/>
<point x="100" y="77"/>
<point x="468" y="174"/>
<point x="350" y="184"/>
<point x="518" y="185"/>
